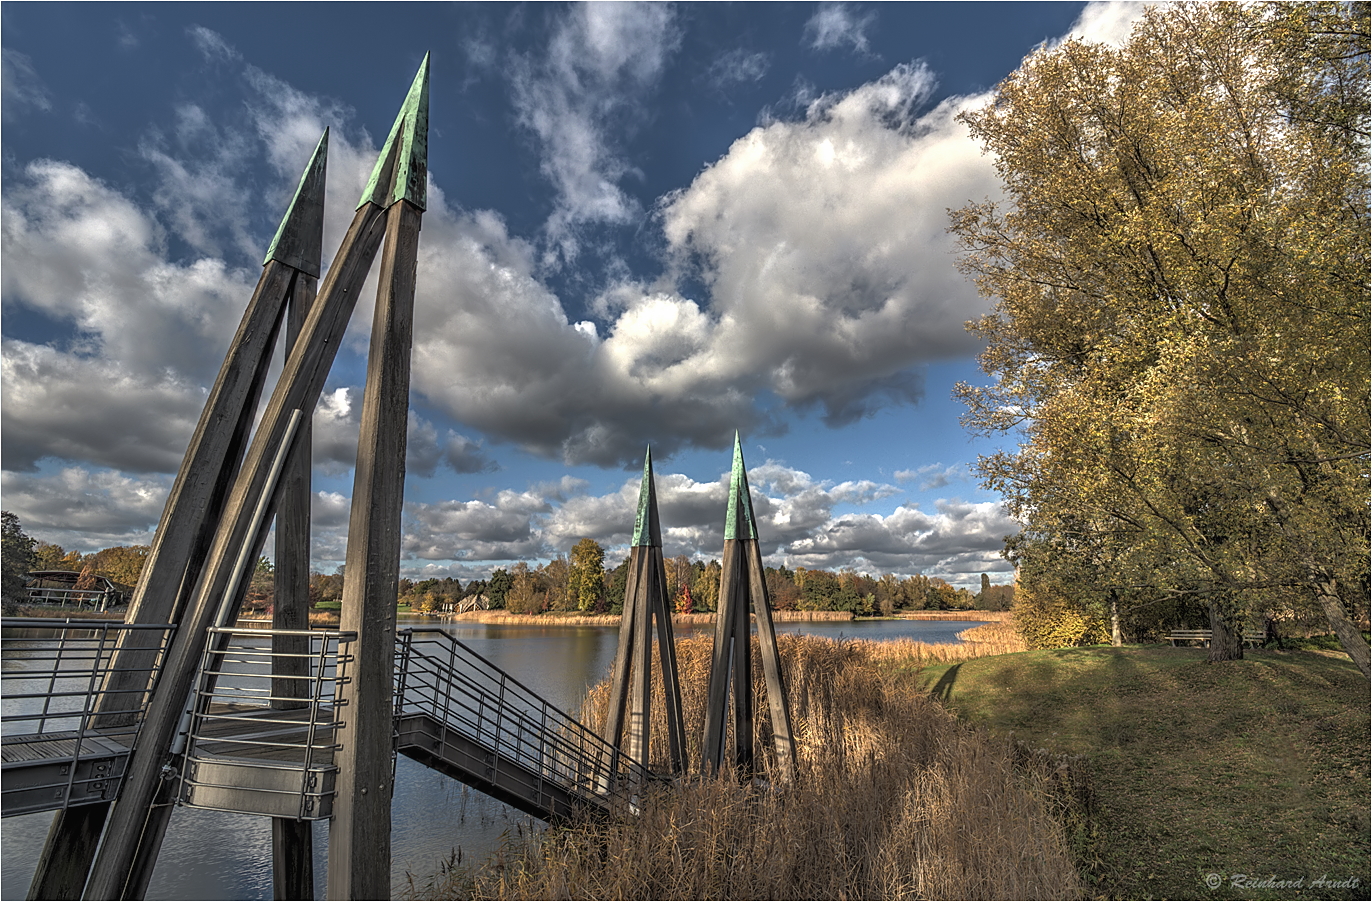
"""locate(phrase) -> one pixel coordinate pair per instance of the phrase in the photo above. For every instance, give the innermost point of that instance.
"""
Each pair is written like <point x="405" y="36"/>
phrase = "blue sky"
<point x="647" y="224"/>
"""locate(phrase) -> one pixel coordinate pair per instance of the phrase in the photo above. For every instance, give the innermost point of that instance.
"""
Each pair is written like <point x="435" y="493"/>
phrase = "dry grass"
<point x="895" y="799"/>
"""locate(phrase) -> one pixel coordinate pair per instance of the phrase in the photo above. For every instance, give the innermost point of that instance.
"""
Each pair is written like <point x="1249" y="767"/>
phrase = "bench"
<point x="1250" y="637"/>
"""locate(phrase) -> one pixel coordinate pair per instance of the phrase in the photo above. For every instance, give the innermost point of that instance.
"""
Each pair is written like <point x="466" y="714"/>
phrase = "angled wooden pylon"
<point x="194" y="506"/>
<point x="743" y="585"/>
<point x="645" y="600"/>
<point x="296" y="393"/>
<point x="360" y="831"/>
<point x="298" y="243"/>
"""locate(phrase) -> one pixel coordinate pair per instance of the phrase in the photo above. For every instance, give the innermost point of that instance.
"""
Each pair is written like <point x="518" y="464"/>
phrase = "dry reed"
<point x="894" y="799"/>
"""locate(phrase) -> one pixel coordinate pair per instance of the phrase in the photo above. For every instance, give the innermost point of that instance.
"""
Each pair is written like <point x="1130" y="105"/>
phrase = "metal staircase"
<point x="264" y="723"/>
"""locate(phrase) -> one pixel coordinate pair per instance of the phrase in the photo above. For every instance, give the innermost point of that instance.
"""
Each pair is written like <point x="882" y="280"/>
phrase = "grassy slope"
<point x="1256" y="767"/>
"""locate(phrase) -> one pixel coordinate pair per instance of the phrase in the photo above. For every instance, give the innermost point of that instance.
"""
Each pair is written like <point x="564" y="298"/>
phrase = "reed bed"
<point x="894" y="799"/>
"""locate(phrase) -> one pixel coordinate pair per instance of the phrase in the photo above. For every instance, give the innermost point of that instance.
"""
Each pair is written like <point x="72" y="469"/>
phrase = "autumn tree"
<point x="51" y="556"/>
<point x="16" y="559"/>
<point x="706" y="588"/>
<point x="119" y="563"/>
<point x="1181" y="327"/>
<point x="554" y="580"/>
<point x="524" y="595"/>
<point x="586" y="577"/>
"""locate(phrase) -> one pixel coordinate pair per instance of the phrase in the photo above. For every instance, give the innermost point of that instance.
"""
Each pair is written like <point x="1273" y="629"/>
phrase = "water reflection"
<point x="216" y="855"/>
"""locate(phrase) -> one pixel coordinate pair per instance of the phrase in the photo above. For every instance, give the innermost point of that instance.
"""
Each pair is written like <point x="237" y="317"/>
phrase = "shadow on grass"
<point x="943" y="689"/>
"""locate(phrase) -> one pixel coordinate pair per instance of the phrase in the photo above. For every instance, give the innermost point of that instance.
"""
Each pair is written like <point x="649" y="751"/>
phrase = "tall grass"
<point x="894" y="799"/>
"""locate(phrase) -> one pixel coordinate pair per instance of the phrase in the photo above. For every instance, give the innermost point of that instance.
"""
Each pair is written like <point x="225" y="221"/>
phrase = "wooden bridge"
<point x="252" y="745"/>
<point x="112" y="724"/>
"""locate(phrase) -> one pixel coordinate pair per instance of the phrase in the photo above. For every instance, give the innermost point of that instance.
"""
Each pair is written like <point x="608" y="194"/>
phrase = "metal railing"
<point x="264" y="730"/>
<point x="100" y="599"/>
<point x="438" y="676"/>
<point x="59" y="704"/>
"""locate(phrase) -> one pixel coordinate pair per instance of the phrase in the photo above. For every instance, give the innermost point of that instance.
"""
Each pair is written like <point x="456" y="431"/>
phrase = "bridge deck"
<point x="59" y="770"/>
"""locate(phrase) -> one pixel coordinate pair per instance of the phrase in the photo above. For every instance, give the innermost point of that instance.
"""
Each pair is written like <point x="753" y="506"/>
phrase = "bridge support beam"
<point x="293" y="840"/>
<point x="645" y="601"/>
<point x="743" y="585"/>
<point x="360" y="832"/>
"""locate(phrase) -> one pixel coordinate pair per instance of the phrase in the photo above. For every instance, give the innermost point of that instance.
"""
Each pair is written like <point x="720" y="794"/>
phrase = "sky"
<point x="647" y="225"/>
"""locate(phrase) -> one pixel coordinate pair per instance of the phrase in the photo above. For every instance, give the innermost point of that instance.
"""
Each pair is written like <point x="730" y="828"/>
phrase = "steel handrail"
<point x="465" y="692"/>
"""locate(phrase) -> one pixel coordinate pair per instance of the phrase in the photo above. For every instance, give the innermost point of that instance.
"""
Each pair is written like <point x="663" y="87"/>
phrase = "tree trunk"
<point x="1226" y="634"/>
<point x="1116" y="637"/>
<point x="1350" y="637"/>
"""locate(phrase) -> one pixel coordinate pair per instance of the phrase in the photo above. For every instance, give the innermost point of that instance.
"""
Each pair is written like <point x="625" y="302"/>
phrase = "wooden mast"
<point x="360" y="831"/>
<point x="192" y="511"/>
<point x="645" y="601"/>
<point x="742" y="586"/>
<point x="297" y="391"/>
<point x="300" y="245"/>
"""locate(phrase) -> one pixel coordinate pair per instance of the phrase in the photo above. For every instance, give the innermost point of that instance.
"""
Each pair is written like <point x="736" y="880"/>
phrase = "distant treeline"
<point x="576" y="582"/>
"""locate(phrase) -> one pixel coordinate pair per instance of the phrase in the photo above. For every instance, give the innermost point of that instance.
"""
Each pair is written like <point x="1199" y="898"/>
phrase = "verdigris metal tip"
<point x="402" y="167"/>
<point x="647" y="530"/>
<point x="299" y="240"/>
<point x="738" y="519"/>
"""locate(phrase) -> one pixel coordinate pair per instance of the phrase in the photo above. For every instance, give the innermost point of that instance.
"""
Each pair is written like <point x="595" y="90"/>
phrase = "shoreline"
<point x="329" y="619"/>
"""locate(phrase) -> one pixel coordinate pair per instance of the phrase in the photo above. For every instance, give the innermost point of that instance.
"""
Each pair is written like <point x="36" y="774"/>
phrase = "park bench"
<point x="1250" y="637"/>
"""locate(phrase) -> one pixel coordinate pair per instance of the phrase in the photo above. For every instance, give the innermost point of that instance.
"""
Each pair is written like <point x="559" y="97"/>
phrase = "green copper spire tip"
<point x="402" y="167"/>
<point x="738" y="520"/>
<point x="299" y="240"/>
<point x="647" y="530"/>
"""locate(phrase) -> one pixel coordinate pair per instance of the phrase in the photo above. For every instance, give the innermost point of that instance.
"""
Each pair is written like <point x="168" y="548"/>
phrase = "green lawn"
<point x="1256" y="767"/>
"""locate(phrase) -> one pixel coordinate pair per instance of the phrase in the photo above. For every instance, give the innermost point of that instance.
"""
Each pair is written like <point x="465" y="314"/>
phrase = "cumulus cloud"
<point x="86" y="509"/>
<point x="581" y="98"/>
<point x="1107" y="22"/>
<point x="837" y="25"/>
<point x="797" y="518"/>
<point x="823" y="242"/>
<point x="958" y="540"/>
<point x="932" y="476"/>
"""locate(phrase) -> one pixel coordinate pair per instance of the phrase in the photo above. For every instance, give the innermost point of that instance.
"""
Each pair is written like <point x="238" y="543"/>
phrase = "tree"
<point x="120" y="563"/>
<point x="525" y="595"/>
<point x="16" y="559"/>
<point x="706" y="588"/>
<point x="50" y="556"/>
<point x="497" y="587"/>
<point x="586" y="579"/>
<point x="616" y="583"/>
<point x="1181" y="327"/>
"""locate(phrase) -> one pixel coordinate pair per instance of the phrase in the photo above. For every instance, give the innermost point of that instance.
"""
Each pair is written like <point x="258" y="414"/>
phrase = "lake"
<point x="217" y="855"/>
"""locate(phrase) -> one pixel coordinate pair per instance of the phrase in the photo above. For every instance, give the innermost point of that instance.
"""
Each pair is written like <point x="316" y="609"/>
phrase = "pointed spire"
<point x="299" y="239"/>
<point x="647" y="530"/>
<point x="402" y="167"/>
<point x="738" y="521"/>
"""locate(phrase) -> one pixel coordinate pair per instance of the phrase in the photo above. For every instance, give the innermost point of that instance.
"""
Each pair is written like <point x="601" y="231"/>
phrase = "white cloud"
<point x="837" y="25"/>
<point x="932" y="476"/>
<point x="797" y="525"/>
<point x="20" y="85"/>
<point x="1107" y="22"/>
<point x="581" y="98"/>
<point x="823" y="242"/>
<point x="86" y="509"/>
<point x="212" y="46"/>
<point x="737" y="66"/>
